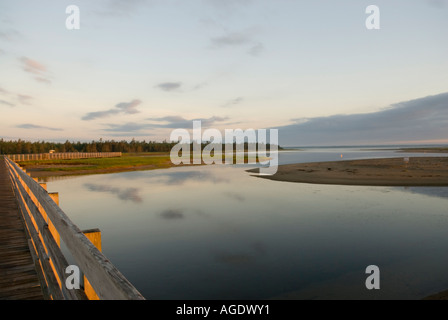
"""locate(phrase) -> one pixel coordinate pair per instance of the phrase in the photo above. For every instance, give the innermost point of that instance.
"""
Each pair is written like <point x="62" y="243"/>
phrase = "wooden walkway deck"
<point x="18" y="277"/>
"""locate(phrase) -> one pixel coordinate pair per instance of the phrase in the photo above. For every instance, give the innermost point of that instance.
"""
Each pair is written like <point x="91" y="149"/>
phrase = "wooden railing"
<point x="65" y="155"/>
<point x="46" y="223"/>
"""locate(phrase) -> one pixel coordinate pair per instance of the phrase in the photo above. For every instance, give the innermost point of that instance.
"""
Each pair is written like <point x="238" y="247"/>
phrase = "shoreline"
<point x="74" y="167"/>
<point x="419" y="171"/>
<point x="39" y="173"/>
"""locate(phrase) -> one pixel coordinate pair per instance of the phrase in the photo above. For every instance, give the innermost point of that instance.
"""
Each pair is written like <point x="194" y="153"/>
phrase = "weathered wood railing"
<point x="46" y="222"/>
<point x="63" y="156"/>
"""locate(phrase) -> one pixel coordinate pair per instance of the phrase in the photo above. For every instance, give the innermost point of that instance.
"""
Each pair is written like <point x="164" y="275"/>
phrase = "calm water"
<point x="216" y="232"/>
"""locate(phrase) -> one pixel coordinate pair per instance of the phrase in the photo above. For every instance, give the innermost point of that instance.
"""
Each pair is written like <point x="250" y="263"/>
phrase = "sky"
<point x="142" y="68"/>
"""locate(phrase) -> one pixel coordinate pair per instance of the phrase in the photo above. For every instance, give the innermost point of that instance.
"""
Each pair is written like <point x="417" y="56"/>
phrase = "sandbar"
<point x="416" y="171"/>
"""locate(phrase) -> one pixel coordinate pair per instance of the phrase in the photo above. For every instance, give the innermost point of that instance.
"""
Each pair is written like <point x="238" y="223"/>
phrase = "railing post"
<point x="94" y="235"/>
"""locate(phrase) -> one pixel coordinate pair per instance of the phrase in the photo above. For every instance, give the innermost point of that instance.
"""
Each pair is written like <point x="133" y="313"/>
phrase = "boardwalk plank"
<point x="18" y="277"/>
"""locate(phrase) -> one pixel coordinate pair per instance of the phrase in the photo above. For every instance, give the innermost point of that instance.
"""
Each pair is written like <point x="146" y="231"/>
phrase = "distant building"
<point x="52" y="151"/>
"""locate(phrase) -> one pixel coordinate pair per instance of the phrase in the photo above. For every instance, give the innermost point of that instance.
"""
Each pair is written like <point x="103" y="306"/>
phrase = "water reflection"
<point x="128" y="194"/>
<point x="441" y="192"/>
<point x="215" y="232"/>
<point x="235" y="196"/>
<point x="172" y="214"/>
<point x="237" y="258"/>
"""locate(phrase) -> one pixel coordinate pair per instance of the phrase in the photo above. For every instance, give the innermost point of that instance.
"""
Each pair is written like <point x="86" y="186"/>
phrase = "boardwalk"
<point x="18" y="277"/>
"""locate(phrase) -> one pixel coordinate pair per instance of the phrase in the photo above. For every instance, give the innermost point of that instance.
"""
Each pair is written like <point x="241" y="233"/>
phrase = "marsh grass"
<point x="126" y="161"/>
<point x="131" y="161"/>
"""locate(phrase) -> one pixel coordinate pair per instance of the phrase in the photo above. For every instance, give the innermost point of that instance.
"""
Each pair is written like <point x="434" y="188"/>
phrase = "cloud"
<point x="175" y="122"/>
<point x="256" y="49"/>
<point x="42" y="80"/>
<point x="220" y="3"/>
<point x="437" y="3"/>
<point x="21" y="98"/>
<point x="415" y="120"/>
<point x="6" y="103"/>
<point x="34" y="126"/>
<point x="128" y="194"/>
<point x="228" y="8"/>
<point x="233" y="102"/>
<point x="123" y="108"/>
<point x="239" y="39"/>
<point x="168" y="122"/>
<point x="169" y="86"/>
<point x="129" y="107"/>
<point x="182" y="177"/>
<point x="235" y="196"/>
<point x="231" y="39"/>
<point x="9" y="34"/>
<point x="35" y="68"/>
<point x="130" y="127"/>
<point x="24" y="99"/>
<point x="120" y="8"/>
<point x="200" y="85"/>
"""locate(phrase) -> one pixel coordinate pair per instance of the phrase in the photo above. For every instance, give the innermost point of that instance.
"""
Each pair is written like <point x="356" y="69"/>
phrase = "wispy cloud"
<point x="231" y="39"/>
<point x="37" y="69"/>
<point x="6" y="103"/>
<point x="24" y="99"/>
<point x="416" y="120"/>
<point x="33" y="66"/>
<point x="200" y="85"/>
<point x="220" y="3"/>
<point x="437" y="3"/>
<point x="120" y="108"/>
<point x="169" y="86"/>
<point x="233" y="102"/>
<point x="120" y="8"/>
<point x="42" y="80"/>
<point x="130" y="127"/>
<point x="256" y="49"/>
<point x="168" y="122"/>
<point x="245" y="39"/>
<point x="9" y="34"/>
<point x="180" y="122"/>
<point x="18" y="97"/>
<point x="228" y="8"/>
<point x="34" y="126"/>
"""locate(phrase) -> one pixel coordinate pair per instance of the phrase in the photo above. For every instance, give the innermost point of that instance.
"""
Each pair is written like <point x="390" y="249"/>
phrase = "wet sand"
<point x="418" y="171"/>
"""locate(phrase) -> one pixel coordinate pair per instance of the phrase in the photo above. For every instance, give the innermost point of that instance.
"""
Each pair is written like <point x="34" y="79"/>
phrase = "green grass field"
<point x="128" y="162"/>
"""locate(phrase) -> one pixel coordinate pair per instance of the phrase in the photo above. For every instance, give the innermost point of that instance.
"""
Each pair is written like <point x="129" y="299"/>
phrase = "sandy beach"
<point x="418" y="171"/>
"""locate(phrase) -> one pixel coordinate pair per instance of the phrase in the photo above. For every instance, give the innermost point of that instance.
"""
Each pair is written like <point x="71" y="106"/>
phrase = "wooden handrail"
<point x="105" y="278"/>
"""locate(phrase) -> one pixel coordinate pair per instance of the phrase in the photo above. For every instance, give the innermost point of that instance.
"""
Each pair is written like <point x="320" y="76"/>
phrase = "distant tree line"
<point x="133" y="146"/>
<point x="28" y="147"/>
